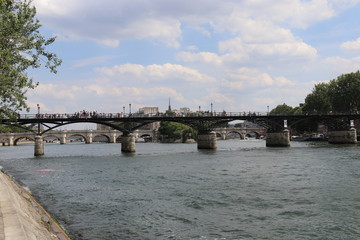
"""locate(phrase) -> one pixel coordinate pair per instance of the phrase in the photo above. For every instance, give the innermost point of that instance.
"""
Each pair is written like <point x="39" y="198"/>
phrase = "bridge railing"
<point x="141" y="115"/>
<point x="137" y="115"/>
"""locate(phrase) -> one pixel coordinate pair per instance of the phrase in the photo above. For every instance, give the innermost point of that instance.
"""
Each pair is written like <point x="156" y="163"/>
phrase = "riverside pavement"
<point x="22" y="218"/>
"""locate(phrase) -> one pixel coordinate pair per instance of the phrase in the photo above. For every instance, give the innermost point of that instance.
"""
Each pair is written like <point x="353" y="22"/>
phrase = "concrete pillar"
<point x="223" y="135"/>
<point x="207" y="141"/>
<point x="11" y="140"/>
<point x="112" y="137"/>
<point x="63" y="138"/>
<point x="89" y="138"/>
<point x="128" y="143"/>
<point x="345" y="136"/>
<point x="39" y="146"/>
<point x="278" y="139"/>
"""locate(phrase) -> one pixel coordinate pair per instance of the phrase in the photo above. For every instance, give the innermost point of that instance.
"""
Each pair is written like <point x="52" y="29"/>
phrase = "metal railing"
<point x="166" y="115"/>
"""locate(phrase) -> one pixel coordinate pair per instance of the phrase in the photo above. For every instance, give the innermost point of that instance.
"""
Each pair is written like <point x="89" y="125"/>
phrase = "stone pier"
<point x="63" y="138"/>
<point x="278" y="139"/>
<point x="128" y="143"/>
<point x="344" y="136"/>
<point x="207" y="141"/>
<point x="39" y="146"/>
<point x="89" y="137"/>
<point x="112" y="138"/>
<point x="11" y="140"/>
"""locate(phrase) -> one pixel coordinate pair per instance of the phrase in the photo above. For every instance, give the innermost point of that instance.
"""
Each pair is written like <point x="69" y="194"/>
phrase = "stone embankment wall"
<point x="22" y="217"/>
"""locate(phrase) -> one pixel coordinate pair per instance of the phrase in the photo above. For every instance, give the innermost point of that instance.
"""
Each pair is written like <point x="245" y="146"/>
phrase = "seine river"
<point x="243" y="190"/>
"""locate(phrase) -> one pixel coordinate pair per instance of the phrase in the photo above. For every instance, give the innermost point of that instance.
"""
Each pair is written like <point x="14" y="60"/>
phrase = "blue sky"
<point x="238" y="55"/>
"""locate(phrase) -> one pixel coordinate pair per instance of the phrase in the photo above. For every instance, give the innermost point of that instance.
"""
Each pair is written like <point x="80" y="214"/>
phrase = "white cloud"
<point x="205" y="57"/>
<point x="156" y="73"/>
<point x="247" y="52"/>
<point x="109" y="22"/>
<point x="351" y="45"/>
<point x="339" y="65"/>
<point x="244" y="78"/>
<point x="91" y="61"/>
<point x="286" y="47"/>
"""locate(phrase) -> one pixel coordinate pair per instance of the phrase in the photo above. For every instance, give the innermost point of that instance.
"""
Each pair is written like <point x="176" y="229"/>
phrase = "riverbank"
<point x="22" y="217"/>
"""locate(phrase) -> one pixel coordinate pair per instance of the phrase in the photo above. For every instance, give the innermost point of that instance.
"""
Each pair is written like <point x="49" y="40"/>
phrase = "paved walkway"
<point x="20" y="218"/>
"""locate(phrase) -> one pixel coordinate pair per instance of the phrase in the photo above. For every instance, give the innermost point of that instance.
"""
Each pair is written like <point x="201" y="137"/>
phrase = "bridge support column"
<point x="338" y="137"/>
<point x="11" y="140"/>
<point x="39" y="146"/>
<point x="207" y="141"/>
<point x="128" y="143"/>
<point x="278" y="139"/>
<point x="89" y="138"/>
<point x="63" y="138"/>
<point x="112" y="137"/>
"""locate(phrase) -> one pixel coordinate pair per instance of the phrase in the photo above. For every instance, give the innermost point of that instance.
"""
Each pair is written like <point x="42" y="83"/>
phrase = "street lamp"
<point x="38" y="116"/>
<point x="268" y="110"/>
<point x="129" y="108"/>
<point x="124" y="110"/>
<point x="211" y="109"/>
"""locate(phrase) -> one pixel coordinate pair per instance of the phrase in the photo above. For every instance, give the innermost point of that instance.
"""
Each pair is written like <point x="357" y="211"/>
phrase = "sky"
<point x="236" y="55"/>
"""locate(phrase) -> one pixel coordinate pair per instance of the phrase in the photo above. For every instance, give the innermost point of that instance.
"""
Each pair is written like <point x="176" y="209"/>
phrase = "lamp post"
<point x="129" y="108"/>
<point x="211" y="109"/>
<point x="124" y="111"/>
<point x="38" y="116"/>
<point x="268" y="110"/>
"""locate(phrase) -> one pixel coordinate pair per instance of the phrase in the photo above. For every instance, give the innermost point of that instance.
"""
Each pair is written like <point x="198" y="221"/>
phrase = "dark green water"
<point x="243" y="190"/>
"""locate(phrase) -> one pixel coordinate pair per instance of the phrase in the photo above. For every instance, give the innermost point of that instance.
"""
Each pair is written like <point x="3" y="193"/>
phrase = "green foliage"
<point x="11" y="129"/>
<point x="345" y="93"/>
<point x="281" y="110"/>
<point x="175" y="130"/>
<point x="319" y="99"/>
<point x="169" y="113"/>
<point x="341" y="95"/>
<point x="305" y="125"/>
<point x="21" y="47"/>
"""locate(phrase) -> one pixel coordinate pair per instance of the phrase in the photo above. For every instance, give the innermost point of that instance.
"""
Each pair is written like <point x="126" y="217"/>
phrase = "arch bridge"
<point x="63" y="137"/>
<point x="277" y="133"/>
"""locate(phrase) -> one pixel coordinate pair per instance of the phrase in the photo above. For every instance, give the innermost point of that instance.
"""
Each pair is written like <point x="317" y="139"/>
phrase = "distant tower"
<point x="169" y="109"/>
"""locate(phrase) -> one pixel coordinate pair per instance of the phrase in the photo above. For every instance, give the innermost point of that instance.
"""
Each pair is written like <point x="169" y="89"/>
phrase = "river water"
<point x="243" y="190"/>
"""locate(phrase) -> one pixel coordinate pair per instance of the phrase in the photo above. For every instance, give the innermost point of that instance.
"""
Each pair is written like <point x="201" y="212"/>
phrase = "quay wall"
<point x="22" y="217"/>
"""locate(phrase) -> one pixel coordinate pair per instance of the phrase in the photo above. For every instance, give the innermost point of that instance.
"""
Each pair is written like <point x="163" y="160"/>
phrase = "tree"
<point x="340" y="95"/>
<point x="319" y="100"/>
<point x="21" y="47"/>
<point x="345" y="93"/>
<point x="281" y="110"/>
<point x="175" y="130"/>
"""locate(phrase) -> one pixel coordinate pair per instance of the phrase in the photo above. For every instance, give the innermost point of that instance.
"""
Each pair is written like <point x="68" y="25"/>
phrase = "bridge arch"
<point x="77" y="135"/>
<point x="16" y="140"/>
<point x="252" y="134"/>
<point x="228" y="134"/>
<point x="146" y="137"/>
<point x="51" y="136"/>
<point x="102" y="135"/>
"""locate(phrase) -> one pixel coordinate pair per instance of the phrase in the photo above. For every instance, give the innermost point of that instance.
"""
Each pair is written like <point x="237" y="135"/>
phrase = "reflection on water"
<point x="243" y="190"/>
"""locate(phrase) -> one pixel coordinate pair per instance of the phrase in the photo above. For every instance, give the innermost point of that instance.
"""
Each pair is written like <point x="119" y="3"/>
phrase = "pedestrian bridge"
<point x="113" y="136"/>
<point x="341" y="128"/>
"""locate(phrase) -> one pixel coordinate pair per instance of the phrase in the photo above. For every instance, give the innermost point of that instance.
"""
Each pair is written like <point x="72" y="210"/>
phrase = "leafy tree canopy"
<point x="175" y="130"/>
<point x="21" y="47"/>
<point x="282" y="109"/>
<point x="341" y="95"/>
